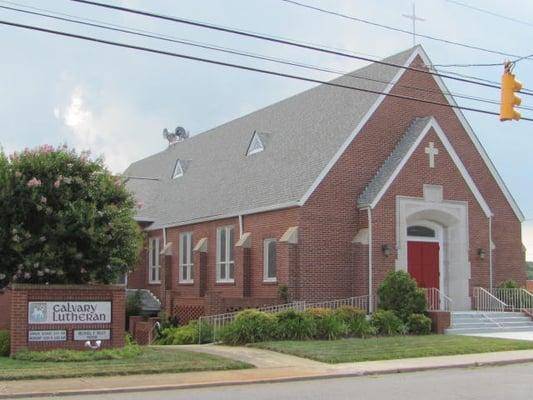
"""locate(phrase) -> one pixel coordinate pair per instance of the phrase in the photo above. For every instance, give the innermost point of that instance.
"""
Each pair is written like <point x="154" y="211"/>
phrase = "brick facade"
<point x="22" y="294"/>
<point x="326" y="263"/>
<point x="5" y="306"/>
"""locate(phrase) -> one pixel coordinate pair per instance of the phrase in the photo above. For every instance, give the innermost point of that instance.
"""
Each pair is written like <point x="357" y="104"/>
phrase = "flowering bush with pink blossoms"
<point x="64" y="218"/>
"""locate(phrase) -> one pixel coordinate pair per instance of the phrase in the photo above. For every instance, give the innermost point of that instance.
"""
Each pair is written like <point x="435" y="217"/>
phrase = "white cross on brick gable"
<point x="432" y="151"/>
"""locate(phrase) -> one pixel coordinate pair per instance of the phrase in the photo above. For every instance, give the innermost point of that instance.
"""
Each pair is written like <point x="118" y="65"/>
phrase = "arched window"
<point x="421" y="231"/>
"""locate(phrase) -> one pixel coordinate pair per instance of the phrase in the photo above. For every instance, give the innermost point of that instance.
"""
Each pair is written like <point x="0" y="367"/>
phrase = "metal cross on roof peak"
<point x="413" y="18"/>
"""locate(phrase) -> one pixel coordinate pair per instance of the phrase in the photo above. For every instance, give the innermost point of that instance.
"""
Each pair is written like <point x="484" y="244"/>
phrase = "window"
<point x="256" y="145"/>
<point x="186" y="264"/>
<point x="269" y="260"/>
<point x="178" y="170"/>
<point x="153" y="261"/>
<point x="225" y="261"/>
<point x="421" y="231"/>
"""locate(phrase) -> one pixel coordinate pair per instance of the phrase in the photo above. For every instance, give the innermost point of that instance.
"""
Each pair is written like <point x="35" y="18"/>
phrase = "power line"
<point x="357" y="19"/>
<point x="148" y="34"/>
<point x="141" y="30"/>
<point x="279" y="41"/>
<point x="494" y="14"/>
<point x="243" y="67"/>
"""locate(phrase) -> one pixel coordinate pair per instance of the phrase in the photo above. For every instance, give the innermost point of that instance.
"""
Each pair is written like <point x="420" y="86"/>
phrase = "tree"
<point x="64" y="219"/>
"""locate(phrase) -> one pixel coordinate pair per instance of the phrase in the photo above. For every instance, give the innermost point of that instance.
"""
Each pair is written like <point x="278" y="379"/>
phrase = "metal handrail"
<point x="216" y="322"/>
<point x="486" y="301"/>
<point x="515" y="298"/>
<point x="437" y="300"/>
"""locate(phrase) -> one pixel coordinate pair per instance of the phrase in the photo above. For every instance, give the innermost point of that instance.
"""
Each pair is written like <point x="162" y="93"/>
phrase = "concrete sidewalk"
<point x="271" y="367"/>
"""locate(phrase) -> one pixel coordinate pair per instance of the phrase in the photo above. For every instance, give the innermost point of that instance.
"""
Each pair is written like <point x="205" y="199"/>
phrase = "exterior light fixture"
<point x="481" y="253"/>
<point x="386" y="250"/>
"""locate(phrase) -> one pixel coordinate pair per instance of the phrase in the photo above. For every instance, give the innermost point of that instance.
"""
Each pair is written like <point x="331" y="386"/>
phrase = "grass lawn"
<point x="150" y="361"/>
<point x="394" y="347"/>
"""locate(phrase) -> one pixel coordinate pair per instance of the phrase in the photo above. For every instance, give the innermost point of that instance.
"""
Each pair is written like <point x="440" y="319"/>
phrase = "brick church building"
<point x="324" y="193"/>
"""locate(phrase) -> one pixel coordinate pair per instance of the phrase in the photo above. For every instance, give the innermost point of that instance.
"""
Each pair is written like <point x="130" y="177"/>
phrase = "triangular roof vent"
<point x="178" y="170"/>
<point x="256" y="145"/>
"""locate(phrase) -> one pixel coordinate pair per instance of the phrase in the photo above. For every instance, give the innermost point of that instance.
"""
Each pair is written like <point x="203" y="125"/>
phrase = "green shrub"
<point x="249" y="326"/>
<point x="133" y="305"/>
<point x="328" y="325"/>
<point x="294" y="325"/>
<point x="419" y="324"/>
<point x="187" y="334"/>
<point x="508" y="284"/>
<point x="5" y="343"/>
<point x="61" y="355"/>
<point x="386" y="323"/>
<point x="283" y="293"/>
<point x="398" y="292"/>
<point x="355" y="320"/>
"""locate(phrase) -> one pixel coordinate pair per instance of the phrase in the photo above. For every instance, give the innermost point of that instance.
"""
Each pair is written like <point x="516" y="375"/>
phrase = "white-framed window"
<point x="178" y="170"/>
<point x="225" y="260"/>
<point x="269" y="260"/>
<point x="186" y="261"/>
<point x="256" y="145"/>
<point x="154" y="266"/>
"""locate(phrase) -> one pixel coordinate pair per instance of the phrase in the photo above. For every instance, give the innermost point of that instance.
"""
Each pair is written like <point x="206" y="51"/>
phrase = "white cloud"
<point x="527" y="239"/>
<point x="107" y="125"/>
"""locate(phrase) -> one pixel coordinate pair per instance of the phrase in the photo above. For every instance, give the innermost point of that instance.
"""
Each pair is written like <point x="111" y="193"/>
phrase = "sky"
<point x="116" y="102"/>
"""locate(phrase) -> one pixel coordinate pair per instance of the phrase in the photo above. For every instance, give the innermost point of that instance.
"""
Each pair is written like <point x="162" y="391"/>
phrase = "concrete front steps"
<point x="471" y="322"/>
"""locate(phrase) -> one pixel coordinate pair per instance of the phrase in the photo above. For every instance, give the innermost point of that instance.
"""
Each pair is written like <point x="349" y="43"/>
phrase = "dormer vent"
<point x="256" y="145"/>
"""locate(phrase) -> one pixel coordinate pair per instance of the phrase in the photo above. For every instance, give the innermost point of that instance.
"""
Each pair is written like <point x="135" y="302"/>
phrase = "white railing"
<point x="486" y="301"/>
<point x="216" y="322"/>
<point x="515" y="299"/>
<point x="436" y="300"/>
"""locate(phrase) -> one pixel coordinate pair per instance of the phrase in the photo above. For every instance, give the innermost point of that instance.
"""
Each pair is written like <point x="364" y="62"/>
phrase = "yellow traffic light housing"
<point x="509" y="100"/>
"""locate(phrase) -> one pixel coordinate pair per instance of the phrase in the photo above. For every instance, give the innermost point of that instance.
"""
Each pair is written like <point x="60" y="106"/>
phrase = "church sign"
<point x="100" y="334"/>
<point x="69" y="312"/>
<point x="47" y="336"/>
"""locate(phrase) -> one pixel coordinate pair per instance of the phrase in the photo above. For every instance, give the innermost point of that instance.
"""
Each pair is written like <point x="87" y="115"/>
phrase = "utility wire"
<point x="494" y="14"/>
<point x="352" y="18"/>
<point x="280" y="41"/>
<point x="152" y="35"/>
<point x="243" y="67"/>
<point x="333" y="49"/>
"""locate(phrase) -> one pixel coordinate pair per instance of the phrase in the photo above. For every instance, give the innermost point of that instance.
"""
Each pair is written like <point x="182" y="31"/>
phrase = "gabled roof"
<point x="393" y="165"/>
<point x="301" y="136"/>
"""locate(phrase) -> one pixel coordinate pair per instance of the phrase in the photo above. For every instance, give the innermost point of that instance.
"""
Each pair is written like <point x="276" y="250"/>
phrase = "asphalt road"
<point x="513" y="382"/>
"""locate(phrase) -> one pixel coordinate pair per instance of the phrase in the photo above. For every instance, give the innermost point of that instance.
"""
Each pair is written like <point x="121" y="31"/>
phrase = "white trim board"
<point x="477" y="144"/>
<point x="357" y="129"/>
<point x="432" y="123"/>
<point x="419" y="51"/>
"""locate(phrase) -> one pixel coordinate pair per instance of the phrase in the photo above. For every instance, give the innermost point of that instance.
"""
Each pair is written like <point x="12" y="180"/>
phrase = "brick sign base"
<point x="66" y="316"/>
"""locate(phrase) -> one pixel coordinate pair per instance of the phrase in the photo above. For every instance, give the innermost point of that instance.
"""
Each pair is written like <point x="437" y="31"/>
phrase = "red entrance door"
<point x="423" y="263"/>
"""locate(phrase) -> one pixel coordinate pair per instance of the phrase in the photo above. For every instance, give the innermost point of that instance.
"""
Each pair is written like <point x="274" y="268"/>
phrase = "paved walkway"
<point x="271" y="367"/>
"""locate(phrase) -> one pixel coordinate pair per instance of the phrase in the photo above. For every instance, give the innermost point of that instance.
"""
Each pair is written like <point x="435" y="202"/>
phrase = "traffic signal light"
<point x="509" y="100"/>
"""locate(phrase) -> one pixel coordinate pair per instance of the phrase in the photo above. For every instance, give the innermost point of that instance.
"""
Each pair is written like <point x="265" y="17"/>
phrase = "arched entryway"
<point x="432" y="240"/>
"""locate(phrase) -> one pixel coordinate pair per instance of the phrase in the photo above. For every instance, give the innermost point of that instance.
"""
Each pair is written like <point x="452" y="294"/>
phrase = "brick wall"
<point x="5" y="307"/>
<point x="329" y="220"/>
<point x="22" y="294"/>
<point x="325" y="264"/>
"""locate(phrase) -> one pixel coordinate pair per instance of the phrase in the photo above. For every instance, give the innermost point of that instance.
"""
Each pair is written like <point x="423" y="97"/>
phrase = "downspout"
<point x="370" y="294"/>
<point x="164" y="237"/>
<point x="490" y="254"/>
<point x="241" y="226"/>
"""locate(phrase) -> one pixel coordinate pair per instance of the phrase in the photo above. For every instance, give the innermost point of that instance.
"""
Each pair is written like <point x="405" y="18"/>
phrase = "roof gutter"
<point x="229" y="215"/>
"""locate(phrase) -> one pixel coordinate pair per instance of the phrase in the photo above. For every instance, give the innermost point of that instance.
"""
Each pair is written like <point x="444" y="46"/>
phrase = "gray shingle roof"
<point x="391" y="163"/>
<point x="301" y="135"/>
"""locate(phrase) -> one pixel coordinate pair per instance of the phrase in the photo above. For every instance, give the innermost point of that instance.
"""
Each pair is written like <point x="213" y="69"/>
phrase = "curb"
<point x="330" y="375"/>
